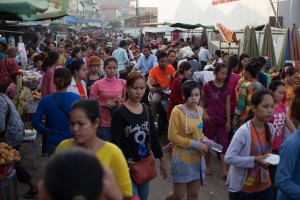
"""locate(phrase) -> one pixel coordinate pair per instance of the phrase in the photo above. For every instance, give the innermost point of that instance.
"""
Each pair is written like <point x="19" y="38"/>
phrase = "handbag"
<point x="144" y="170"/>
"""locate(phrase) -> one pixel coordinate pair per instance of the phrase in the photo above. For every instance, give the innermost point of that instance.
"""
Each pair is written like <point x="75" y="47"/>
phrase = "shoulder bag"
<point x="144" y="170"/>
<point x="59" y="105"/>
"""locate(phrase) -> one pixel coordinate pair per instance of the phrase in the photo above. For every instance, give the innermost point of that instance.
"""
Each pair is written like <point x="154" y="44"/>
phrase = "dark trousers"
<point x="263" y="195"/>
<point x="44" y="144"/>
<point x="22" y="175"/>
<point x="203" y="64"/>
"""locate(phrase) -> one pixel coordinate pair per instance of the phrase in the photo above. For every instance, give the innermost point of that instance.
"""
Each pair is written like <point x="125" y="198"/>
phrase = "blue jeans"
<point x="140" y="190"/>
<point x="266" y="194"/>
<point x="104" y="133"/>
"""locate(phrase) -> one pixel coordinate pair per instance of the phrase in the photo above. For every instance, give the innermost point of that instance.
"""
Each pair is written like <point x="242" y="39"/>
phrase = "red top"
<point x="81" y="90"/>
<point x="7" y="66"/>
<point x="48" y="86"/>
<point x="175" y="95"/>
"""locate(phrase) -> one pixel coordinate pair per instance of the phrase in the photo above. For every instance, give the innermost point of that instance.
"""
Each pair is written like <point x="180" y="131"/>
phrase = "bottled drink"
<point x="212" y="145"/>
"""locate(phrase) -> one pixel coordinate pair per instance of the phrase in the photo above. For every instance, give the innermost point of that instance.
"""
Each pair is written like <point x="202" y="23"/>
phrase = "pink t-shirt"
<point x="216" y="99"/>
<point x="278" y="121"/>
<point x="108" y="89"/>
<point x="48" y="86"/>
<point x="233" y="82"/>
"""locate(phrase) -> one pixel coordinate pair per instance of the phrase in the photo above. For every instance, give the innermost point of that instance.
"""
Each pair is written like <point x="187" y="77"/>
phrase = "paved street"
<point x="214" y="188"/>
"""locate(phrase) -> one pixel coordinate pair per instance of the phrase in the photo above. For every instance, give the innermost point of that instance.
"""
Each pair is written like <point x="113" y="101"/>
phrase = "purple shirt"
<point x="216" y="98"/>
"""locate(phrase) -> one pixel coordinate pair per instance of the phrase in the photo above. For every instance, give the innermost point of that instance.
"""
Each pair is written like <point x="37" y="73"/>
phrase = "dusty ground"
<point x="214" y="188"/>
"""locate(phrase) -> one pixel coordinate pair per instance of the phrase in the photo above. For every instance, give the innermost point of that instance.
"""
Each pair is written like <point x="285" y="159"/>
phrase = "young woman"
<point x="290" y="77"/>
<point x="172" y="58"/>
<point x="78" y="85"/>
<point x="245" y="93"/>
<point x="243" y="62"/>
<point x="187" y="163"/>
<point x="131" y="130"/>
<point x="62" y="55"/>
<point x="216" y="94"/>
<point x="85" y="119"/>
<point x="94" y="73"/>
<point x="110" y="92"/>
<point x="184" y="71"/>
<point x="233" y="80"/>
<point x="225" y="58"/>
<point x="248" y="176"/>
<point x="104" y="53"/>
<point x="75" y="55"/>
<point x="279" y="120"/>
<point x="95" y="181"/>
<point x="56" y="108"/>
<point x="49" y="65"/>
<point x="217" y="57"/>
<point x="288" y="170"/>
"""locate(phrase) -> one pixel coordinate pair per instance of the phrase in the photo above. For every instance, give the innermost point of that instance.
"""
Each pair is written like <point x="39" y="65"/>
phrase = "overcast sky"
<point x="148" y="3"/>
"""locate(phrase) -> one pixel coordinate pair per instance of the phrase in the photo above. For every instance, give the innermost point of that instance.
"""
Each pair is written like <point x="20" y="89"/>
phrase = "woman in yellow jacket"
<point x="185" y="133"/>
<point x="85" y="119"/>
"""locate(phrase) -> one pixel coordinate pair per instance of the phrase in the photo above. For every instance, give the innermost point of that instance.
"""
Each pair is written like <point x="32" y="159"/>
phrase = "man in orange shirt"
<point x="162" y="75"/>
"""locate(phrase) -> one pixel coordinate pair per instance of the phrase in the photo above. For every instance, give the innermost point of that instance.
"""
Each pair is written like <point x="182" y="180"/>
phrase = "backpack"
<point x="263" y="79"/>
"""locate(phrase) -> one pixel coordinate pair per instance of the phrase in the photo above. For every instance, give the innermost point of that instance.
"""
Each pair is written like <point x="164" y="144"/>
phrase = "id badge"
<point x="264" y="174"/>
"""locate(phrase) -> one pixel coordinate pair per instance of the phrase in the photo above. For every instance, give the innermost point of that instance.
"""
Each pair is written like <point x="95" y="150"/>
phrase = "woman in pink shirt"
<point x="279" y="120"/>
<point x="110" y="92"/>
<point x="233" y="80"/>
<point x="49" y="65"/>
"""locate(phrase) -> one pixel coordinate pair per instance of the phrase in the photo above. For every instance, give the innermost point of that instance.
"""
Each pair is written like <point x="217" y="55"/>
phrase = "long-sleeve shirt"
<point x="288" y="170"/>
<point x="175" y="95"/>
<point x="130" y="132"/>
<point x="57" y="123"/>
<point x="146" y="64"/>
<point x="111" y="156"/>
<point x="7" y="66"/>
<point x="48" y="86"/>
<point x="122" y="57"/>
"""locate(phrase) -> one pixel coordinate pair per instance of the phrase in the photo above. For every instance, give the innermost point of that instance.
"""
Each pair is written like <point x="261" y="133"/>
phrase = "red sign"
<point x="217" y="2"/>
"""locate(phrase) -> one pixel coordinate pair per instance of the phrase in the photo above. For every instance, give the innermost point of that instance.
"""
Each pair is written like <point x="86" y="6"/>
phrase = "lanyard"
<point x="262" y="151"/>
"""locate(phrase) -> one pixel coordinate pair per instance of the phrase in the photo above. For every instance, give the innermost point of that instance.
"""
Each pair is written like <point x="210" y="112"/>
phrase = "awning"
<point x="228" y="35"/>
<point x="161" y="29"/>
<point x="54" y="11"/>
<point x="188" y="26"/>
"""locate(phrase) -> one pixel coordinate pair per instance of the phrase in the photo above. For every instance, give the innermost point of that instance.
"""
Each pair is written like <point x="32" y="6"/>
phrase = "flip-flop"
<point x="223" y="177"/>
<point x="209" y="172"/>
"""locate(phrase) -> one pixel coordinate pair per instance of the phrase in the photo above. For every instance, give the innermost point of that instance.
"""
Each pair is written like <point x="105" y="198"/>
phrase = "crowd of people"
<point x="95" y="95"/>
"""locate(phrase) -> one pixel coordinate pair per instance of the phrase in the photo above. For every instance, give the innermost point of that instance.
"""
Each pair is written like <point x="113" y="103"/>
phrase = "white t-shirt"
<point x="204" y="76"/>
<point x="204" y="55"/>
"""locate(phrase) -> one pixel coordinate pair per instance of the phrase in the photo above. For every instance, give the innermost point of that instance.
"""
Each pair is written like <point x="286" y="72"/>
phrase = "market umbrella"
<point x="203" y="37"/>
<point x="268" y="46"/>
<point x="245" y="39"/>
<point x="188" y="26"/>
<point x="287" y="50"/>
<point x="227" y="34"/>
<point x="295" y="42"/>
<point x="252" y="47"/>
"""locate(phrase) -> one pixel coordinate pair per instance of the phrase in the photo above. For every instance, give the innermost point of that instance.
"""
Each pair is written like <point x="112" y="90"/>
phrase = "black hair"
<point x="147" y="47"/>
<point x="295" y="106"/>
<point x="233" y="62"/>
<point x="83" y="48"/>
<point x="68" y="45"/>
<point x="224" y="54"/>
<point x="275" y="84"/>
<point x="75" y="51"/>
<point x="253" y="67"/>
<point x="171" y="51"/>
<point x="53" y="43"/>
<point x="76" y="65"/>
<point x="289" y="71"/>
<point x="106" y="50"/>
<point x="218" y="53"/>
<point x="108" y="60"/>
<point x="90" y="107"/>
<point x="50" y="60"/>
<point x="63" y="181"/>
<point x="256" y="99"/>
<point x="184" y="66"/>
<point x="242" y="56"/>
<point x="203" y="44"/>
<point x="62" y="78"/>
<point x="33" y="47"/>
<point x="218" y="68"/>
<point x="122" y="43"/>
<point x="37" y="58"/>
<point x="46" y="49"/>
<point x="161" y="54"/>
<point x="187" y="87"/>
<point x="261" y="60"/>
<point x="196" y="48"/>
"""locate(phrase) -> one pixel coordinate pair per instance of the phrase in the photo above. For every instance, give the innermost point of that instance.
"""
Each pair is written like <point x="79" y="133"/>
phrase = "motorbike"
<point x="161" y="119"/>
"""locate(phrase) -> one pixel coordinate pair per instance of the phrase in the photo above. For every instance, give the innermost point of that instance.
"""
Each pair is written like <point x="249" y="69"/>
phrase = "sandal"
<point x="224" y="177"/>
<point x="30" y="194"/>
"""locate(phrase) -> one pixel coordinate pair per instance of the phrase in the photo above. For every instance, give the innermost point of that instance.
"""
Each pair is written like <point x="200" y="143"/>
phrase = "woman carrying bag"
<point x="133" y="130"/>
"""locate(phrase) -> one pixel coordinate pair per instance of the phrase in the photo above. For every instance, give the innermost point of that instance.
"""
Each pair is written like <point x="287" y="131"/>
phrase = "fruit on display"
<point x="20" y="99"/>
<point x="36" y="95"/>
<point x="8" y="154"/>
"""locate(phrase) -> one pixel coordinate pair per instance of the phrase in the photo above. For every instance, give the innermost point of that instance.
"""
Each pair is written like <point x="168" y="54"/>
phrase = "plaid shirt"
<point x="7" y="66"/>
<point x="244" y="97"/>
